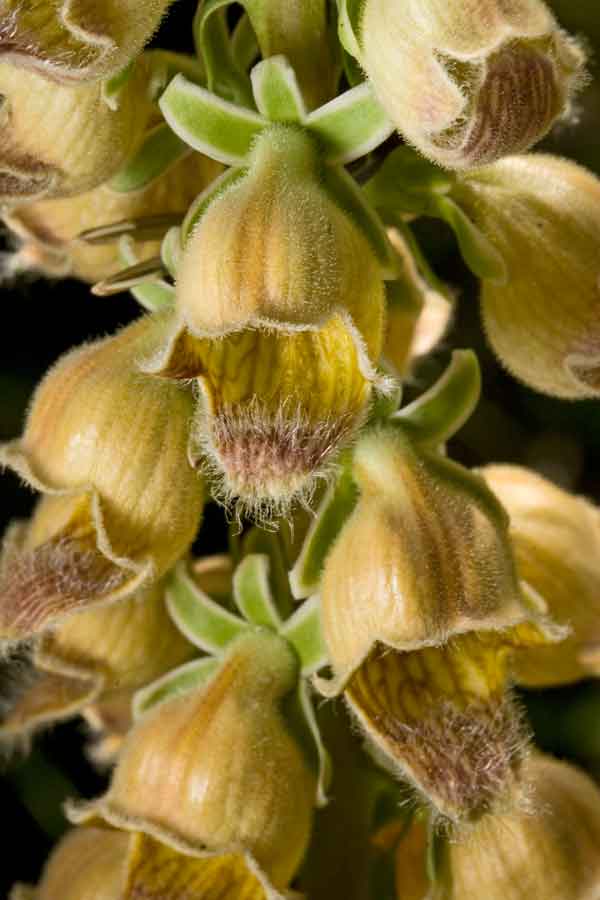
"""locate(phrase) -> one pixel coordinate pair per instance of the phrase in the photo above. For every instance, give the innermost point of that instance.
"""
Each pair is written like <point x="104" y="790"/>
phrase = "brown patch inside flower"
<point x="61" y="575"/>
<point x="443" y="718"/>
<point x="157" y="872"/>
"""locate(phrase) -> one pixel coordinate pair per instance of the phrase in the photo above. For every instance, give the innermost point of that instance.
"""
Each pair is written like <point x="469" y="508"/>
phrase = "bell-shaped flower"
<point x="109" y="447"/>
<point x="468" y="81"/>
<point x="421" y="609"/>
<point x="542" y="214"/>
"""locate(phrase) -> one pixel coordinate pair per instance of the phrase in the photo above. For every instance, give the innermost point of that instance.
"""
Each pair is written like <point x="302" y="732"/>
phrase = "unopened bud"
<point x="56" y="140"/>
<point x="421" y="609"/>
<point x="556" y="541"/>
<point x="216" y="773"/>
<point x="73" y="42"/>
<point x="109" y="446"/>
<point x="547" y="845"/>
<point x="542" y="214"/>
<point x="47" y="230"/>
<point x="468" y="82"/>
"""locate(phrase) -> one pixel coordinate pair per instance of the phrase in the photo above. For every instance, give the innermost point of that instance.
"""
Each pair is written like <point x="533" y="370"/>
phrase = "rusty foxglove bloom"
<point x="542" y="214"/>
<point x="548" y="843"/>
<point x="71" y="41"/>
<point x="57" y="141"/>
<point x="421" y="608"/>
<point x="216" y="775"/>
<point x="556" y="541"/>
<point x="468" y="81"/>
<point x="100" y="657"/>
<point x="87" y="864"/>
<point x="47" y="230"/>
<point x="280" y="300"/>
<point x="109" y="448"/>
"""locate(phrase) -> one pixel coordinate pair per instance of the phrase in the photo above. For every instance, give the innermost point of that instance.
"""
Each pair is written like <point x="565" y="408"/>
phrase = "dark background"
<point x="512" y="424"/>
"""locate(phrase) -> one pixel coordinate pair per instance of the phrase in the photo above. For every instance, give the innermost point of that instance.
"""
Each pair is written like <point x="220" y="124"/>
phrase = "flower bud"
<point x="47" y="230"/>
<point x="215" y="774"/>
<point x="556" y="542"/>
<point x="100" y="656"/>
<point x="87" y="864"/>
<point x="542" y="214"/>
<point x="420" y="611"/>
<point x="468" y="82"/>
<point x="292" y="295"/>
<point x="547" y="845"/>
<point x="108" y="445"/>
<point x="72" y="42"/>
<point x="57" y="141"/>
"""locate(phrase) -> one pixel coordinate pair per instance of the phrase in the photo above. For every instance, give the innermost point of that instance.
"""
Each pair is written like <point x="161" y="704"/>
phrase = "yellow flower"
<point x="216" y="775"/>
<point x="547" y="845"/>
<point x="47" y="230"/>
<point x="108" y="446"/>
<point x="468" y="81"/>
<point x="542" y="214"/>
<point x="421" y="610"/>
<point x="71" y="41"/>
<point x="556" y="542"/>
<point x="280" y="301"/>
<point x="57" y="140"/>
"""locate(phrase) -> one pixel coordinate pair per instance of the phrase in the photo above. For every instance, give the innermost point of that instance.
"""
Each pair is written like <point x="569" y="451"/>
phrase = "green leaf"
<point x="244" y="43"/>
<point x="170" y="250"/>
<point x="203" y="200"/>
<point x="305" y="705"/>
<point x="159" y="150"/>
<point x="405" y="182"/>
<point x="348" y="25"/>
<point x="204" y="623"/>
<point x="225" y="72"/>
<point x="189" y="677"/>
<point x="113" y="87"/>
<point x="351" y="125"/>
<point x="439" y="413"/>
<point x="478" y="252"/>
<point x="336" y="506"/>
<point x="276" y="90"/>
<point x="303" y="631"/>
<point x="252" y="592"/>
<point x="208" y="124"/>
<point x="347" y="194"/>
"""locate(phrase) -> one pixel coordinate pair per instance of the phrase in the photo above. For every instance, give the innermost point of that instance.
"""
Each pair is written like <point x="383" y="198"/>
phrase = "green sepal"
<point x="477" y="251"/>
<point x="154" y="296"/>
<point x="303" y="631"/>
<point x="436" y="284"/>
<point x="300" y="714"/>
<point x="204" y="623"/>
<point x="189" y="677"/>
<point x="159" y="150"/>
<point x="437" y="415"/>
<point x="348" y="25"/>
<point x="405" y="182"/>
<point x="225" y="74"/>
<point x="113" y="87"/>
<point x="269" y="543"/>
<point x="351" y="125"/>
<point x="337" y="504"/>
<point x="167" y="64"/>
<point x="252" y="592"/>
<point x="207" y="123"/>
<point x="436" y="848"/>
<point x="276" y="90"/>
<point x="203" y="200"/>
<point x="348" y="196"/>
<point x="170" y="250"/>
